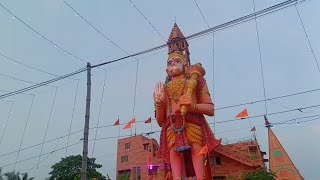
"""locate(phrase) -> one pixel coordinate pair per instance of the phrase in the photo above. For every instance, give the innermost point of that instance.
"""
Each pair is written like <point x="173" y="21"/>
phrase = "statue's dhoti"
<point x="195" y="131"/>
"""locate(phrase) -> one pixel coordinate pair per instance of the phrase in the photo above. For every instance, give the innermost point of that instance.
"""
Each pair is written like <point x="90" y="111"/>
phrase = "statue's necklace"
<point x="174" y="90"/>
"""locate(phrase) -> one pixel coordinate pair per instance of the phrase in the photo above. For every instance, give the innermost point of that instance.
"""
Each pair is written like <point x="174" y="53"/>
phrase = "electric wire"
<point x="220" y="27"/>
<point x="41" y="84"/>
<point x="35" y="145"/>
<point x="269" y="99"/>
<point x="203" y="17"/>
<point x="154" y="28"/>
<point x="48" y="123"/>
<point x="99" y="113"/>
<point x="96" y="29"/>
<point x="142" y="121"/>
<point x="307" y="37"/>
<point x="295" y="109"/>
<point x="31" y="67"/>
<point x="28" y="66"/>
<point x="72" y="116"/>
<point x="135" y="95"/>
<point x="104" y="138"/>
<point x="55" y="45"/>
<point x="260" y="58"/>
<point x="21" y="80"/>
<point x="115" y="137"/>
<point x="24" y="131"/>
<point x="1" y="90"/>
<point x="199" y="34"/>
<point x="243" y="19"/>
<point x="6" y="123"/>
<point x="273" y="113"/>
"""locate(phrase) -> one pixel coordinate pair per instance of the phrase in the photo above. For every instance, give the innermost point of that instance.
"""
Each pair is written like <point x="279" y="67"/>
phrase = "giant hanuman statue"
<point x="181" y="103"/>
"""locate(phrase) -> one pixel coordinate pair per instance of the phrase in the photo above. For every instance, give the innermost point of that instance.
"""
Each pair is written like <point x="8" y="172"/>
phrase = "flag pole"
<point x="135" y="128"/>
<point x="119" y="127"/>
<point x="131" y="131"/>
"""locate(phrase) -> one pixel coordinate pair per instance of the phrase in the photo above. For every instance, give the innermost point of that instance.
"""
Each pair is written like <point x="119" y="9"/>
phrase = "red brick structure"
<point x="232" y="160"/>
<point x="135" y="154"/>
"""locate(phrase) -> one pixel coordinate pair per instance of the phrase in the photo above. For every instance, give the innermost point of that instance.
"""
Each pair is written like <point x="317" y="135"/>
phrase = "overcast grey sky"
<point x="288" y="66"/>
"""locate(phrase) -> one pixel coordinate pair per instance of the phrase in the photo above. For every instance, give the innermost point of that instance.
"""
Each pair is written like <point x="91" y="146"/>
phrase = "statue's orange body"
<point x="180" y="104"/>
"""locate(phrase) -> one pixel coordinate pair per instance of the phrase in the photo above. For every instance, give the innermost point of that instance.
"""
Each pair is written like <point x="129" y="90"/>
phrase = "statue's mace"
<point x="194" y="71"/>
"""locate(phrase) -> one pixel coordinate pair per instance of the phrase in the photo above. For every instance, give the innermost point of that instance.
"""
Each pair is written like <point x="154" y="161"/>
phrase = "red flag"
<point x="243" y="114"/>
<point x="132" y="120"/>
<point x="253" y="129"/>
<point x="117" y="122"/>
<point x="148" y="121"/>
<point x="128" y="126"/>
<point x="203" y="150"/>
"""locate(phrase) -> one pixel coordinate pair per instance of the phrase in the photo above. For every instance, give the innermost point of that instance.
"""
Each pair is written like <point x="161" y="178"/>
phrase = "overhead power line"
<point x="94" y="28"/>
<point x="229" y="24"/>
<point x="203" y="17"/>
<point x="268" y="99"/>
<point x="220" y="27"/>
<point x="31" y="67"/>
<point x="41" y="84"/>
<point x="154" y="28"/>
<point x="28" y="66"/>
<point x="142" y="121"/>
<point x="18" y="79"/>
<point x="55" y="45"/>
<point x="145" y="133"/>
<point x="273" y="113"/>
<point x="308" y="39"/>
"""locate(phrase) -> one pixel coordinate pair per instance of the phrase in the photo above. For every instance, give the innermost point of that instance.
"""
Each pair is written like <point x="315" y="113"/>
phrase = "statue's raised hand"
<point x="159" y="95"/>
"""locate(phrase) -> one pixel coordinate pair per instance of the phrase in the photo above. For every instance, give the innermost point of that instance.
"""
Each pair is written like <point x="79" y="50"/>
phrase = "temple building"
<point x="280" y="162"/>
<point x="136" y="157"/>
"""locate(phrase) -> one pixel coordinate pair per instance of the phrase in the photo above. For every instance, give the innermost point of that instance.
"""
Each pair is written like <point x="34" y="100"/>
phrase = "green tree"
<point x="12" y="175"/>
<point x="260" y="174"/>
<point x="69" y="168"/>
<point x="124" y="177"/>
<point x="15" y="176"/>
<point x="25" y="177"/>
<point x="1" y="174"/>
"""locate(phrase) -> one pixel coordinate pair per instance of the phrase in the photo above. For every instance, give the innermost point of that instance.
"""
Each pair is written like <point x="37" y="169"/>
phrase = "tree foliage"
<point x="69" y="168"/>
<point x="12" y="175"/>
<point x="260" y="174"/>
<point x="124" y="177"/>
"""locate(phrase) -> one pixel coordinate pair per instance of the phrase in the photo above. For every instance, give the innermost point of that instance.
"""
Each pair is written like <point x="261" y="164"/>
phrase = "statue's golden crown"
<point x="179" y="54"/>
<point x="176" y="52"/>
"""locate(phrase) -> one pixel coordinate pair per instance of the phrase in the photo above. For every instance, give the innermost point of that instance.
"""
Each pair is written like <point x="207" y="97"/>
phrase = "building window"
<point x="146" y="147"/>
<point x="124" y="159"/>
<point x="253" y="152"/>
<point x="136" y="173"/>
<point x="215" y="161"/>
<point x="154" y="150"/>
<point x="127" y="146"/>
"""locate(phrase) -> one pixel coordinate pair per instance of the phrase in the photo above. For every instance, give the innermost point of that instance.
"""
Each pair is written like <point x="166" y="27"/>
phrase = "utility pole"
<point x="86" y="126"/>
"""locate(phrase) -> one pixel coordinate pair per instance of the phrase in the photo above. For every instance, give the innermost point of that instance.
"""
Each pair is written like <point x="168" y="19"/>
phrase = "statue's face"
<point x="175" y="66"/>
